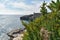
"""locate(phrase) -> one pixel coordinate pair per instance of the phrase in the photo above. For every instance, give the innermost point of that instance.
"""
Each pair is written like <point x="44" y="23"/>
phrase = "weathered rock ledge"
<point x="16" y="34"/>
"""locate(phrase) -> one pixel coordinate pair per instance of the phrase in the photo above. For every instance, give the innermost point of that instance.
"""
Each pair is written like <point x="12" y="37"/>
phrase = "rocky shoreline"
<point x="16" y="34"/>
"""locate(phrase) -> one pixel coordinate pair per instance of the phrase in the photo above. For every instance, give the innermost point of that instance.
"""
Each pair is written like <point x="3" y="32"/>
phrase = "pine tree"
<point x="43" y="9"/>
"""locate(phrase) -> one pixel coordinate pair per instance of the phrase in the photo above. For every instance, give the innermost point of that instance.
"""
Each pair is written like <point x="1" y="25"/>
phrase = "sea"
<point x="9" y="23"/>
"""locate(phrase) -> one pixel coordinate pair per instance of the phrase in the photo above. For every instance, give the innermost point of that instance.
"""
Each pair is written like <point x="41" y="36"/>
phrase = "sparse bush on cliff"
<point x="47" y="26"/>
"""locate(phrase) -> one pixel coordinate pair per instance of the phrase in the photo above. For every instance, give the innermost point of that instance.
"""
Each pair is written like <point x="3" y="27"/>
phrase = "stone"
<point x="15" y="33"/>
<point x="30" y="17"/>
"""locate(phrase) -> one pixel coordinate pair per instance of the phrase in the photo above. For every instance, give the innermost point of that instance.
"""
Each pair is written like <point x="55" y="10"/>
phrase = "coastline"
<point x="16" y="34"/>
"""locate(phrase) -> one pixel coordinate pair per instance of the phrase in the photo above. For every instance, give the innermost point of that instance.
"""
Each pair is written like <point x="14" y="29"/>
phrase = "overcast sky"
<point x="20" y="7"/>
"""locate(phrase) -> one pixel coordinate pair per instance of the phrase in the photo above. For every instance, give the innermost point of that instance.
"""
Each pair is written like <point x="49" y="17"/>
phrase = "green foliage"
<point x="50" y="22"/>
<point x="54" y="6"/>
<point x="43" y="9"/>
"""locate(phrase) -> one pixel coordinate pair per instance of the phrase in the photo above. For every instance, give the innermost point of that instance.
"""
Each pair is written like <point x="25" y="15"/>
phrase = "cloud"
<point x="13" y="12"/>
<point x="22" y="5"/>
<point x="2" y="6"/>
<point x="19" y="7"/>
<point x="34" y="7"/>
<point x="55" y="0"/>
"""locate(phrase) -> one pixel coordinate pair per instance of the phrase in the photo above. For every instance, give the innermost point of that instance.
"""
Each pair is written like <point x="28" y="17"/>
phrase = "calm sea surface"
<point x="8" y="23"/>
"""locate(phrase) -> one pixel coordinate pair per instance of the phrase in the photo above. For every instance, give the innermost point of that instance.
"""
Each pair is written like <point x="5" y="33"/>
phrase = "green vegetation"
<point x="47" y="26"/>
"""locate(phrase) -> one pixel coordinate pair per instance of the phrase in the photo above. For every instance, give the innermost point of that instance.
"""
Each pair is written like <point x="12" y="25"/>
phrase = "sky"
<point x="20" y="7"/>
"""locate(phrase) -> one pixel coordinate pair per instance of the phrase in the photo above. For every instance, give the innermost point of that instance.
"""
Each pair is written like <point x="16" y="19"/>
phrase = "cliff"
<point x="30" y="17"/>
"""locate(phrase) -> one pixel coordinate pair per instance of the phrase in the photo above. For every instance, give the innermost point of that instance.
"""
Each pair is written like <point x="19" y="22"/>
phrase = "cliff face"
<point x="30" y="17"/>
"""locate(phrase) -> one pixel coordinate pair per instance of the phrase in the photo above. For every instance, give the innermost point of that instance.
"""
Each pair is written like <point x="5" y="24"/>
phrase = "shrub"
<point x="47" y="26"/>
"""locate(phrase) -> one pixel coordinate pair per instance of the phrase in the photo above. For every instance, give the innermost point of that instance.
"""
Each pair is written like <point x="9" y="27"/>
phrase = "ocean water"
<point x="9" y="23"/>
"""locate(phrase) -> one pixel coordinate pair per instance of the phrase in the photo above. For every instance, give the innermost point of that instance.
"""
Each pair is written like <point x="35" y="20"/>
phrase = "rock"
<point x="20" y="37"/>
<point x="15" y="33"/>
<point x="30" y="17"/>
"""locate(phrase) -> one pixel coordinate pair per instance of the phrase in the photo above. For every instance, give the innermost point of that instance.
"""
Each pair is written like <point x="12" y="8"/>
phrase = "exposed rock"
<point x="20" y="37"/>
<point x="14" y="33"/>
<point x="30" y="17"/>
